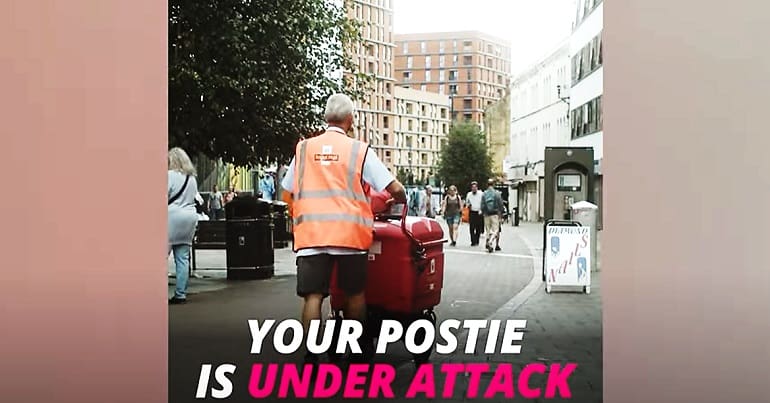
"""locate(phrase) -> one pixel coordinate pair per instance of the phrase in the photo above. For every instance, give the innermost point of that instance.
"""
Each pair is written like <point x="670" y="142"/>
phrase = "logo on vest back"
<point x="326" y="156"/>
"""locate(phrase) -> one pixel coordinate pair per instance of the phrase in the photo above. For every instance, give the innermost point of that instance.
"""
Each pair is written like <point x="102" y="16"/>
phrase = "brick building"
<point x="421" y="126"/>
<point x="471" y="67"/>
<point x="376" y="112"/>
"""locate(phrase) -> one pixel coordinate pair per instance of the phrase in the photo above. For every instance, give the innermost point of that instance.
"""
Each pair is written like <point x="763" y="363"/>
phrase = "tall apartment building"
<point x="421" y="126"/>
<point x="586" y="122"/>
<point x="376" y="112"/>
<point x="539" y="119"/>
<point x="471" y="67"/>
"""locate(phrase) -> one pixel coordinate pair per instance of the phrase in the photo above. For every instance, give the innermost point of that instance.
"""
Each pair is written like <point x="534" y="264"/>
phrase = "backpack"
<point x="414" y="203"/>
<point x="489" y="203"/>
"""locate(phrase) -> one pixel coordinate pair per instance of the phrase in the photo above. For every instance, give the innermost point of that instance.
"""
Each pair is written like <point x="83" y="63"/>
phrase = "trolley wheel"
<point x="333" y="355"/>
<point x="587" y="289"/>
<point x="423" y="358"/>
<point x="548" y="288"/>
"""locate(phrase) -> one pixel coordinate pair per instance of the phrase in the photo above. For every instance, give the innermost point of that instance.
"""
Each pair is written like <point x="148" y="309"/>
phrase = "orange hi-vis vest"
<point x="331" y="205"/>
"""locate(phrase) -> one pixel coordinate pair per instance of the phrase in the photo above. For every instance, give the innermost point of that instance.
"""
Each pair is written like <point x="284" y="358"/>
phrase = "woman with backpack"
<point x="451" y="209"/>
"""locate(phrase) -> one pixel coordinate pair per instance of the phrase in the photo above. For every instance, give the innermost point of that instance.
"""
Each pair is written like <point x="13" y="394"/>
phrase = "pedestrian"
<point x="475" y="217"/>
<point x="267" y="186"/>
<point x="333" y="221"/>
<point x="425" y="202"/>
<point x="451" y="209"/>
<point x="182" y="217"/>
<point x="232" y="194"/>
<point x="492" y="207"/>
<point x="500" y="227"/>
<point x="216" y="204"/>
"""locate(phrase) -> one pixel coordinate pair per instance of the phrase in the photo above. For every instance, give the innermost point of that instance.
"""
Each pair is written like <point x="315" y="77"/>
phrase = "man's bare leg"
<point x="355" y="308"/>
<point x="311" y="309"/>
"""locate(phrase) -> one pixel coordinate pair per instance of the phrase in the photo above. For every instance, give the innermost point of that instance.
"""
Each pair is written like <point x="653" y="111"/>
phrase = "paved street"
<point x="212" y="327"/>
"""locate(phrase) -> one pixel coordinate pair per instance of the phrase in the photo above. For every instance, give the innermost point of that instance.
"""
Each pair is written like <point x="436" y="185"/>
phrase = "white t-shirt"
<point x="375" y="173"/>
<point x="474" y="200"/>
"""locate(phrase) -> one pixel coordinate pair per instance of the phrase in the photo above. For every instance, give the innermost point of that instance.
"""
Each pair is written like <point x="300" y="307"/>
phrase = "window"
<point x="452" y="75"/>
<point x="409" y="62"/>
<point x="441" y="89"/>
<point x="410" y="109"/>
<point x="467" y="60"/>
<point x="423" y="87"/>
<point x="441" y="60"/>
<point x="586" y="119"/>
<point x="454" y="60"/>
<point x="467" y="117"/>
<point x="441" y="47"/>
<point x="469" y="74"/>
<point x="372" y="68"/>
<point x="469" y="88"/>
<point x="427" y="75"/>
<point x="453" y="88"/>
<point x="406" y="47"/>
<point x="424" y="130"/>
<point x="427" y="61"/>
<point x="441" y="75"/>
<point x="385" y="125"/>
<point x="387" y="102"/>
<point x="387" y="88"/>
<point x="587" y="60"/>
<point x="454" y="44"/>
<point x="407" y="75"/>
<point x="410" y="125"/>
<point x="467" y="43"/>
<point x="467" y="104"/>
<point x="422" y="47"/>
<point x="443" y="113"/>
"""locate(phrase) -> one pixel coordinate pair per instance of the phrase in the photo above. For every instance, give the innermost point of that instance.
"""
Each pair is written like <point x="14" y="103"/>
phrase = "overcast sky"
<point x="534" y="27"/>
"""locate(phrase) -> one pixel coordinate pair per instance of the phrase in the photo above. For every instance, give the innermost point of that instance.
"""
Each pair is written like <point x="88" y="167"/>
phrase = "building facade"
<point x="471" y="67"/>
<point x="539" y="119"/>
<point x="420" y="130"/>
<point x="376" y="112"/>
<point x="497" y="128"/>
<point x="586" y="122"/>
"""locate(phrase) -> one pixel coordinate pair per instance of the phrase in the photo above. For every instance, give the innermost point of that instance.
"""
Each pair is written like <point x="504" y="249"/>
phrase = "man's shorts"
<point x="314" y="273"/>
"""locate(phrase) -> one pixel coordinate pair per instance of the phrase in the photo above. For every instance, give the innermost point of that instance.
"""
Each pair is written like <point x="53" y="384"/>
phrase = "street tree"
<point x="249" y="78"/>
<point x="464" y="158"/>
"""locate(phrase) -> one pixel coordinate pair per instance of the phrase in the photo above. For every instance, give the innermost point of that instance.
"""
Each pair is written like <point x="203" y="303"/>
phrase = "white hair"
<point x="179" y="161"/>
<point x="338" y="108"/>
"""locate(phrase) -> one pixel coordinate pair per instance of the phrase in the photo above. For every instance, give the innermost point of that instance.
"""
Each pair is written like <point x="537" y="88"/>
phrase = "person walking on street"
<point x="267" y="186"/>
<point x="426" y="203"/>
<point x="182" y="217"/>
<point x="492" y="208"/>
<point x="232" y="194"/>
<point x="475" y="217"/>
<point x="216" y="204"/>
<point x="333" y="220"/>
<point x="451" y="209"/>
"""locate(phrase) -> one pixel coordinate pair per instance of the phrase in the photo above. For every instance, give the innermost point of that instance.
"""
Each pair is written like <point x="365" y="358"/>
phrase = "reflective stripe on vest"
<point x="331" y="205"/>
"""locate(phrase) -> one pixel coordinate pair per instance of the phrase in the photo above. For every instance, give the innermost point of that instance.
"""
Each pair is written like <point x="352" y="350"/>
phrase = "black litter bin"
<point x="281" y="233"/>
<point x="249" y="239"/>
<point x="516" y="216"/>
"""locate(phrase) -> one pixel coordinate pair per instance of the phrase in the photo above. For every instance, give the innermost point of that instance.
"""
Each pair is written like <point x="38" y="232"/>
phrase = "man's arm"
<point x="376" y="174"/>
<point x="287" y="183"/>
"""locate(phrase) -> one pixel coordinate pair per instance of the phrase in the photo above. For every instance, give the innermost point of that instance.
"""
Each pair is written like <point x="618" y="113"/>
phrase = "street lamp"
<point x="563" y="99"/>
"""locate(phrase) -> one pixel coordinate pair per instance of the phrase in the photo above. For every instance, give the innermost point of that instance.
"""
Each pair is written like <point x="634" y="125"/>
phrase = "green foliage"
<point x="403" y="176"/>
<point x="249" y="78"/>
<point x="465" y="158"/>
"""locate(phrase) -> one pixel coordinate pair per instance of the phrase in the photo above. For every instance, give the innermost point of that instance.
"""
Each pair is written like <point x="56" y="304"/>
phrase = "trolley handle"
<point x="403" y="225"/>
